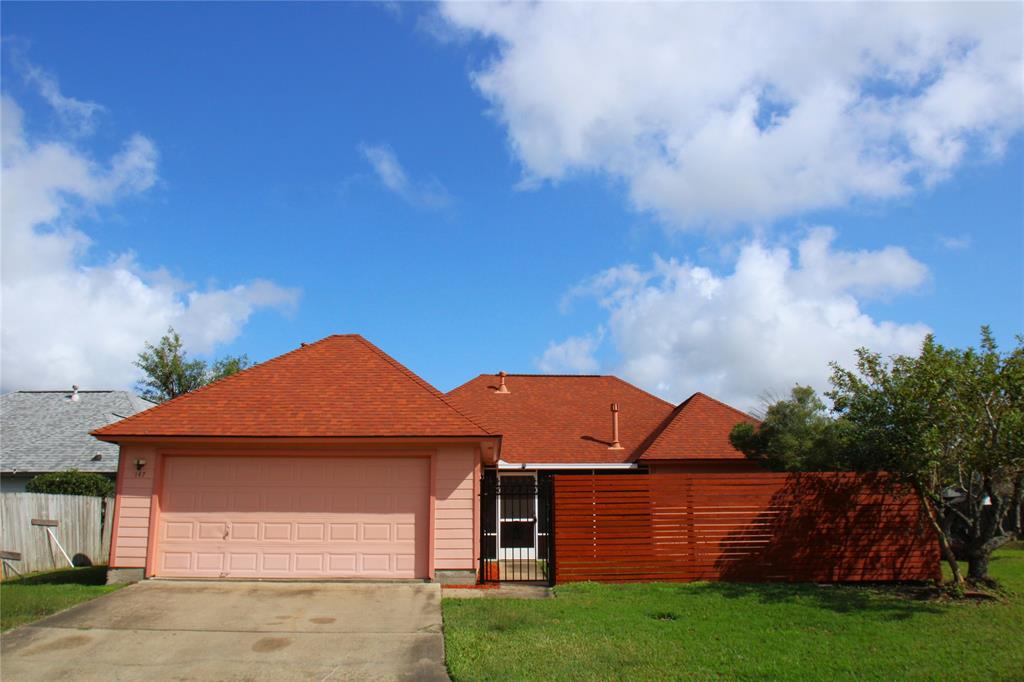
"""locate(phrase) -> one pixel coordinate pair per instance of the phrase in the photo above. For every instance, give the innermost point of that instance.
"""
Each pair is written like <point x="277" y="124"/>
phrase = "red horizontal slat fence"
<point x="751" y="527"/>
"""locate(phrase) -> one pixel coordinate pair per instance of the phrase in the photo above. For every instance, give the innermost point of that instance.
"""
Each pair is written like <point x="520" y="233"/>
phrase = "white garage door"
<point x="293" y="517"/>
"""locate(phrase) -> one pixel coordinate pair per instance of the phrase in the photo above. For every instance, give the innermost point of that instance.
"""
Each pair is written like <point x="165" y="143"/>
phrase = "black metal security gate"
<point x="517" y="539"/>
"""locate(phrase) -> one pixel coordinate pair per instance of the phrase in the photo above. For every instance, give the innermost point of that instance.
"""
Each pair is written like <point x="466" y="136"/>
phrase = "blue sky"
<point x="265" y="121"/>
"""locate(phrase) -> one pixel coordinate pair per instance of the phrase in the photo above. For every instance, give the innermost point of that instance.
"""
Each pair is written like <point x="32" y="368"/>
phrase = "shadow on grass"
<point x="889" y="602"/>
<point x="90" y="575"/>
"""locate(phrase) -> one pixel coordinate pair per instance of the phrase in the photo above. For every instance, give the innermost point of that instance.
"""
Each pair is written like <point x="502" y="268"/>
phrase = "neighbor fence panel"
<point x="83" y="529"/>
<point x="743" y="527"/>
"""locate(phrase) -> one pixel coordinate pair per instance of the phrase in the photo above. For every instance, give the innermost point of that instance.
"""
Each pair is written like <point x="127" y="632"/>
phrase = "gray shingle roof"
<point x="47" y="431"/>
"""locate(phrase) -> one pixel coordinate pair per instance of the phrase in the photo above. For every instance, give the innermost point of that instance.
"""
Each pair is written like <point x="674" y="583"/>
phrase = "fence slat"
<point x="84" y="526"/>
<point x="748" y="527"/>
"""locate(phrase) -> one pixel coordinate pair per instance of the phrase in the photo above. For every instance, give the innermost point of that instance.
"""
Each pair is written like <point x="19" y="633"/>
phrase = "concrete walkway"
<point x="237" y="631"/>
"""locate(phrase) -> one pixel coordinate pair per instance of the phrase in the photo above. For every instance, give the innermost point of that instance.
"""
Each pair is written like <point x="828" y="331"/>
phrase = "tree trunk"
<point x="977" y="568"/>
<point x="944" y="545"/>
<point x="978" y="557"/>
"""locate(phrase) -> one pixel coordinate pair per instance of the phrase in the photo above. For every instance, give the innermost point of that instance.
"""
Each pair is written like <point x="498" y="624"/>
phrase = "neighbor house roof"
<point x="48" y="431"/>
<point x="698" y="429"/>
<point x="340" y="386"/>
<point x="562" y="419"/>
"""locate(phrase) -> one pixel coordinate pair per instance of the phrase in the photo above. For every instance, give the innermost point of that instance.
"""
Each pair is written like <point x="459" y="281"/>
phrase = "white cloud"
<point x="718" y="113"/>
<point x="67" y="320"/>
<point x="425" y="194"/>
<point x="955" y="243"/>
<point x="76" y="114"/>
<point x="767" y="325"/>
<point x="574" y="355"/>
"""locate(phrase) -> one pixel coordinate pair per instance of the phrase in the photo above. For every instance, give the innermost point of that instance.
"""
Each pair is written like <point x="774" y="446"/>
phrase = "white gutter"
<point x="503" y="465"/>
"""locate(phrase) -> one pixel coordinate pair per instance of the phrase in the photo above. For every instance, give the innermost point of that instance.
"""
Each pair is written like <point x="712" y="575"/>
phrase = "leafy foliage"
<point x="796" y="434"/>
<point x="951" y="422"/>
<point x="169" y="372"/>
<point x="228" y="365"/>
<point x="71" y="483"/>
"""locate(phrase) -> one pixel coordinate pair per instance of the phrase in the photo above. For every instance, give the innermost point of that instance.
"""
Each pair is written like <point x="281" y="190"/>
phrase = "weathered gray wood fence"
<point x="84" y="529"/>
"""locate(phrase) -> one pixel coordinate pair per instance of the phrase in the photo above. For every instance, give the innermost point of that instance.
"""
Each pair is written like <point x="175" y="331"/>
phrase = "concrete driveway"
<point x="237" y="631"/>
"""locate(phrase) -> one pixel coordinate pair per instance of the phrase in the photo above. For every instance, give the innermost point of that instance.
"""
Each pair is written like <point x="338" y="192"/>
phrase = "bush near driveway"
<point x="23" y="600"/>
<point x="705" y="631"/>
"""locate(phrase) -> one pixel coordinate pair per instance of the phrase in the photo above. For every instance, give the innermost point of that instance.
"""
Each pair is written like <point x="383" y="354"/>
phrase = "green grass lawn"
<point x="23" y="600"/>
<point x="740" y="631"/>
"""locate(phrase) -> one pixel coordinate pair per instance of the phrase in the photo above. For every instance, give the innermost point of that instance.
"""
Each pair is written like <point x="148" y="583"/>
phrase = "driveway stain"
<point x="59" y="644"/>
<point x="268" y="644"/>
<point x="322" y="620"/>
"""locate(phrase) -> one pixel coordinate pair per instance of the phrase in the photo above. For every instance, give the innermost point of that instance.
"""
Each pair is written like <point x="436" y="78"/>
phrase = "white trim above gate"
<point x="503" y="465"/>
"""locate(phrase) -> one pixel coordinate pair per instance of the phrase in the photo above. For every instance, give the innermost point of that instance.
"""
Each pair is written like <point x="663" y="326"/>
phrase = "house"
<point x="335" y="461"/>
<point x="45" y="431"/>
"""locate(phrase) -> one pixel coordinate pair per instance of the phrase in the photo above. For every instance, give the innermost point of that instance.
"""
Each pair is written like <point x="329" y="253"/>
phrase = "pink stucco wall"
<point x="455" y="522"/>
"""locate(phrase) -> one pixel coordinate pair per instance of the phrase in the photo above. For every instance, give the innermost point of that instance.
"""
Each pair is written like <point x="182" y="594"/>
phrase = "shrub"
<point x="71" y="483"/>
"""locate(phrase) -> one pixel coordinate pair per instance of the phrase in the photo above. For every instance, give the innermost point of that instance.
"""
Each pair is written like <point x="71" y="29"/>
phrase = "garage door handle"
<point x="227" y="532"/>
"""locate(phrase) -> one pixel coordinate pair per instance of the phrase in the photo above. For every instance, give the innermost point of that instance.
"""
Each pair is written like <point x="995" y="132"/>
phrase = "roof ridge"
<point x="542" y="374"/>
<point x="201" y="389"/>
<point x="423" y="383"/>
<point x="723" y="404"/>
<point x="662" y="431"/>
<point x="70" y="390"/>
<point x="659" y="432"/>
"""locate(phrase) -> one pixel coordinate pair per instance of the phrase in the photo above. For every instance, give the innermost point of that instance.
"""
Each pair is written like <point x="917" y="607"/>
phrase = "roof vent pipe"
<point x="616" y="445"/>
<point x="502" y="388"/>
<point x="74" y="393"/>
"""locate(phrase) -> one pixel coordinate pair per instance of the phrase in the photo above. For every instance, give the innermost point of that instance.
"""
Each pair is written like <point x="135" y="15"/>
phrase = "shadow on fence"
<point x="744" y="527"/>
<point x="833" y="528"/>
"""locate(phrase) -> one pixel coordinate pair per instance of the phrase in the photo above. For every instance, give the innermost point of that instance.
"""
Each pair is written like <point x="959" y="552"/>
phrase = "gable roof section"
<point x="562" y="419"/>
<point x="48" y="431"/>
<point x="340" y="386"/>
<point x="698" y="429"/>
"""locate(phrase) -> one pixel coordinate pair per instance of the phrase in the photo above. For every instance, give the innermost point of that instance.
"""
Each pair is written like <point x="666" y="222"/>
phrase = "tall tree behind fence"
<point x="741" y="527"/>
<point x="84" y="529"/>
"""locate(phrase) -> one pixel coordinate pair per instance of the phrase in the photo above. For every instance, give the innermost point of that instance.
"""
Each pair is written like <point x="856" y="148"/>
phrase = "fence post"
<point x="551" y="530"/>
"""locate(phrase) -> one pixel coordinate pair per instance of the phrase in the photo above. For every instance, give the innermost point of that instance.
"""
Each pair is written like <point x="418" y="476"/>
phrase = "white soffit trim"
<point x="503" y="465"/>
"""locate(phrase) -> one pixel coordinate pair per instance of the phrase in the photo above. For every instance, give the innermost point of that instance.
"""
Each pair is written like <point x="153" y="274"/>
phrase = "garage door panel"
<point x="276" y="532"/>
<point x="304" y="532"/>
<point x="246" y="501"/>
<point x="244" y="530"/>
<point x="341" y="502"/>
<point x="279" y="563"/>
<point x="216" y="530"/>
<point x="309" y="502"/>
<point x="312" y="474"/>
<point x="176" y="561"/>
<point x="249" y="517"/>
<point x="341" y="532"/>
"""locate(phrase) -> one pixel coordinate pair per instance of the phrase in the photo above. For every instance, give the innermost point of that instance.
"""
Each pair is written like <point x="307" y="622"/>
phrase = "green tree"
<point x="71" y="482"/>
<point x="796" y="434"/>
<point x="228" y="365"/>
<point x="169" y="372"/>
<point x="951" y="423"/>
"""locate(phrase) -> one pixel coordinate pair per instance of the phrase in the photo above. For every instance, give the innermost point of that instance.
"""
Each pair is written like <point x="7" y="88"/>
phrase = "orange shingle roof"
<point x="340" y="386"/>
<point x="562" y="419"/>
<point x="699" y="429"/>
